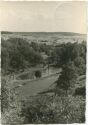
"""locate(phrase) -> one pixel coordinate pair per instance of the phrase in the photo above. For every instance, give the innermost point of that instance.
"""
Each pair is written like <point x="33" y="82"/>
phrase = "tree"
<point x="68" y="76"/>
<point x="18" y="54"/>
<point x="80" y="65"/>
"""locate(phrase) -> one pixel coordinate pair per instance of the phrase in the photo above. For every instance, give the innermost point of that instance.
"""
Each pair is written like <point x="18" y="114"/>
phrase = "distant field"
<point x="48" y="37"/>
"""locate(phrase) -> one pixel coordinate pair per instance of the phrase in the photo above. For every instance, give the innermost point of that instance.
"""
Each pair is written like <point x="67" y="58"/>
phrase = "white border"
<point x="86" y="113"/>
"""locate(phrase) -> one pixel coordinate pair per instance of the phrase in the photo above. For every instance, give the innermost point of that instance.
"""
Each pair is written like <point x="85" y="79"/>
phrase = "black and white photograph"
<point x="43" y="62"/>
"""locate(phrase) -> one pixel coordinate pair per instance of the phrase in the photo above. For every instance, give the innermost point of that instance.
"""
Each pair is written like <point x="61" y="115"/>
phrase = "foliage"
<point x="10" y="106"/>
<point x="16" y="54"/>
<point x="80" y="91"/>
<point x="80" y="65"/>
<point x="68" y="76"/>
<point x="4" y="97"/>
<point x="69" y="51"/>
<point x="47" y="110"/>
<point x="73" y="64"/>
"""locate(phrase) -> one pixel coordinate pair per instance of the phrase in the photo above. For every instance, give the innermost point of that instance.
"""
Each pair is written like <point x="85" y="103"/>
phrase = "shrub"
<point x="52" y="110"/>
<point x="38" y="74"/>
<point x="10" y="106"/>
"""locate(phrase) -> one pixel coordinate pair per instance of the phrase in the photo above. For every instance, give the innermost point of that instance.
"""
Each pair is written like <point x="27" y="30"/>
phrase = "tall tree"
<point x="68" y="76"/>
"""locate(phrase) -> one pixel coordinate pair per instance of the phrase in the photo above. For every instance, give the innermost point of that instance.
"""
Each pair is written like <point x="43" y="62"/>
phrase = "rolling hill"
<point x="46" y="37"/>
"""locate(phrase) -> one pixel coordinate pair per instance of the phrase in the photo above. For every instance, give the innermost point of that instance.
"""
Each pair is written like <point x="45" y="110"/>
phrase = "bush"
<point x="4" y="95"/>
<point x="38" y="74"/>
<point x="54" y="110"/>
<point x="10" y="106"/>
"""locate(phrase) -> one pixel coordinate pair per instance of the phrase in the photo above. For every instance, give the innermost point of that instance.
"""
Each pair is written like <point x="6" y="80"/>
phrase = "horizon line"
<point x="44" y="32"/>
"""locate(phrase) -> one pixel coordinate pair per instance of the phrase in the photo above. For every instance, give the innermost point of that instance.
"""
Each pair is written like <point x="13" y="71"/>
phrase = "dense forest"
<point x="67" y="105"/>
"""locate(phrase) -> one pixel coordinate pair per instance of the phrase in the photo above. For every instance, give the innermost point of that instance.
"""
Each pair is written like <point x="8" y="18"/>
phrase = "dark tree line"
<point x="70" y="51"/>
<point x="72" y="58"/>
<point x="17" y="53"/>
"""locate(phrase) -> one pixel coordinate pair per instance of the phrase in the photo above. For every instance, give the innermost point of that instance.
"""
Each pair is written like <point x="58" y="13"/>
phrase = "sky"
<point x="43" y="16"/>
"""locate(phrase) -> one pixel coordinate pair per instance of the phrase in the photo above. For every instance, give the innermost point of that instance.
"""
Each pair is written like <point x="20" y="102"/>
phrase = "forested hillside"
<point x="18" y="54"/>
<point x="63" y="103"/>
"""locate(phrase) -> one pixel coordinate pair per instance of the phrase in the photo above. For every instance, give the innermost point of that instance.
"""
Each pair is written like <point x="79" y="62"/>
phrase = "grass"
<point x="34" y="87"/>
<point x="43" y="109"/>
<point x="46" y="110"/>
<point x="27" y="108"/>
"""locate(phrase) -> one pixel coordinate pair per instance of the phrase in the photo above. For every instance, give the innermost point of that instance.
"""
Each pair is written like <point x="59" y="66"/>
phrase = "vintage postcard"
<point x="43" y="62"/>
